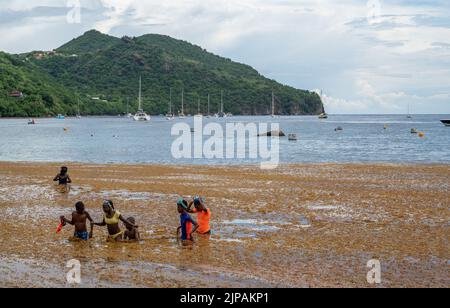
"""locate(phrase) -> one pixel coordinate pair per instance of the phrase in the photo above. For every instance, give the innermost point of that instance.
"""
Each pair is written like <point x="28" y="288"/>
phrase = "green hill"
<point x="108" y="68"/>
<point x="42" y="95"/>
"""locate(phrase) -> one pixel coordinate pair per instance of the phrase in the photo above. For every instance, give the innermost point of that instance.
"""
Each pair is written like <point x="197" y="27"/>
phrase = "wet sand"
<point x="297" y="226"/>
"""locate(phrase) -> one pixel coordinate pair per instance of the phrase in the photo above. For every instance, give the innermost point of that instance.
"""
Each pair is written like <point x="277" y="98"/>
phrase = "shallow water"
<point x="121" y="140"/>
<point x="299" y="225"/>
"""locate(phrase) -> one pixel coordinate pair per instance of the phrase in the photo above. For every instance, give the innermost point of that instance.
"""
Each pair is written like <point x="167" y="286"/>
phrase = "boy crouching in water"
<point x="79" y="219"/>
<point x="131" y="233"/>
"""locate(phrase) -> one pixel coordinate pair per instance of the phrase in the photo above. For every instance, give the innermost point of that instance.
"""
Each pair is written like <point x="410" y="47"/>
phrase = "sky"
<point x="367" y="56"/>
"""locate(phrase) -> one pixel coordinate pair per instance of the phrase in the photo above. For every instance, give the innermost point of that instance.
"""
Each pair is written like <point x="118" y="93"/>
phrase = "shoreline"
<point x="225" y="165"/>
<point x="238" y="115"/>
<point x="296" y="226"/>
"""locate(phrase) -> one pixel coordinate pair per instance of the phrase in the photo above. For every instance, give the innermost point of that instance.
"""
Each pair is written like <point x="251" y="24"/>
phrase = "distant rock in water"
<point x="274" y="133"/>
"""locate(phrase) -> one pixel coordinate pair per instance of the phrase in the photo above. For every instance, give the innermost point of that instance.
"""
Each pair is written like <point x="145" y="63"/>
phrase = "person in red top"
<point x="203" y="215"/>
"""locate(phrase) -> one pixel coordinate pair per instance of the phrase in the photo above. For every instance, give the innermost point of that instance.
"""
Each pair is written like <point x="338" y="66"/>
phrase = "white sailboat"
<point x="170" y="116"/>
<point x="221" y="114"/>
<point x="273" y="106"/>
<point x="323" y="115"/>
<point x="129" y="115"/>
<point x="209" y="103"/>
<point x="78" y="110"/>
<point x="141" y="115"/>
<point x="181" y="115"/>
<point x="198" y="108"/>
<point x="409" y="116"/>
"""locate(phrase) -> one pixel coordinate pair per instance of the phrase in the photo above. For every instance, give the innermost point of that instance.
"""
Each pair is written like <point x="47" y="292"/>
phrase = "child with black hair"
<point x="111" y="219"/>
<point x="131" y="233"/>
<point x="63" y="180"/>
<point x="188" y="226"/>
<point x="79" y="219"/>
<point x="204" y="215"/>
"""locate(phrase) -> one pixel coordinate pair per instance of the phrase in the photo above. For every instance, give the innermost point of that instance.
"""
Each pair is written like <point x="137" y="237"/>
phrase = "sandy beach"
<point x="296" y="226"/>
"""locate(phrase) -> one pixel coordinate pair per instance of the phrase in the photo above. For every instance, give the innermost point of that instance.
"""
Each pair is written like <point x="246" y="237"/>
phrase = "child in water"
<point x="111" y="219"/>
<point x="203" y="215"/>
<point x="63" y="180"/>
<point x="131" y="233"/>
<point x="79" y="219"/>
<point x="186" y="222"/>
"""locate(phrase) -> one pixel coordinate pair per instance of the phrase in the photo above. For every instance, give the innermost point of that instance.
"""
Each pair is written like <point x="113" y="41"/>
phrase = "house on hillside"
<point x="39" y="56"/>
<point x="16" y="93"/>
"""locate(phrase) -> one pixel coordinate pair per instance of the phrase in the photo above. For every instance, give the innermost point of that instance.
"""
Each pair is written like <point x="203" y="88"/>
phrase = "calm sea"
<point x="121" y="140"/>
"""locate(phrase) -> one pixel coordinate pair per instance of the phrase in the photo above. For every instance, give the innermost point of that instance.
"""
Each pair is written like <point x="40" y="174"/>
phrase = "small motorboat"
<point x="141" y="116"/>
<point x="338" y="129"/>
<point x="31" y="122"/>
<point x="323" y="116"/>
<point x="446" y="122"/>
<point x="60" y="117"/>
<point x="292" y="137"/>
<point x="414" y="131"/>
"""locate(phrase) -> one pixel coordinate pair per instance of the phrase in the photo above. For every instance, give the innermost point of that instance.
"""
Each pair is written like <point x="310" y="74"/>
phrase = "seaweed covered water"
<point x="305" y="225"/>
<point x="383" y="138"/>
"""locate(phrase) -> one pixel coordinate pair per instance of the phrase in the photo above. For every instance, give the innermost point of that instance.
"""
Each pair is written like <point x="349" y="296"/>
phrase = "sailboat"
<point x="323" y="115"/>
<point x="181" y="115"/>
<point x="129" y="115"/>
<point x="141" y="115"/>
<point x="198" y="108"/>
<point x="409" y="116"/>
<point x="221" y="114"/>
<point x="273" y="106"/>
<point x="209" y="103"/>
<point x="170" y="116"/>
<point x="78" y="110"/>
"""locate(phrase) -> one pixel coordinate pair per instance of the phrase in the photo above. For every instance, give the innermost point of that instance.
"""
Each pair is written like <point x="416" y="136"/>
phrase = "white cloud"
<point x="115" y="14"/>
<point x="368" y="67"/>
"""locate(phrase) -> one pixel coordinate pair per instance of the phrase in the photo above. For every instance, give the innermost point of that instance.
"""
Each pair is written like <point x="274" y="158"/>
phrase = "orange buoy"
<point x="421" y="134"/>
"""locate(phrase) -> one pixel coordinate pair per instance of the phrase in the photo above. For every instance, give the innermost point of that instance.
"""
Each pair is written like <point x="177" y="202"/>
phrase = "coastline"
<point x="301" y="225"/>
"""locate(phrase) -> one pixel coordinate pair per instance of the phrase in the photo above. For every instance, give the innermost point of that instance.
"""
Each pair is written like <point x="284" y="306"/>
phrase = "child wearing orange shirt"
<point x="203" y="215"/>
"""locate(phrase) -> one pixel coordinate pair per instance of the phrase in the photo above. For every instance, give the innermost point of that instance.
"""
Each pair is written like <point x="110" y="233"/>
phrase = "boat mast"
<point x="208" y="104"/>
<point x="221" y="102"/>
<point x="198" y="106"/>
<point x="182" y="102"/>
<point x="140" y="95"/>
<point x="273" y="104"/>
<point x="170" y="102"/>
<point x="321" y="100"/>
